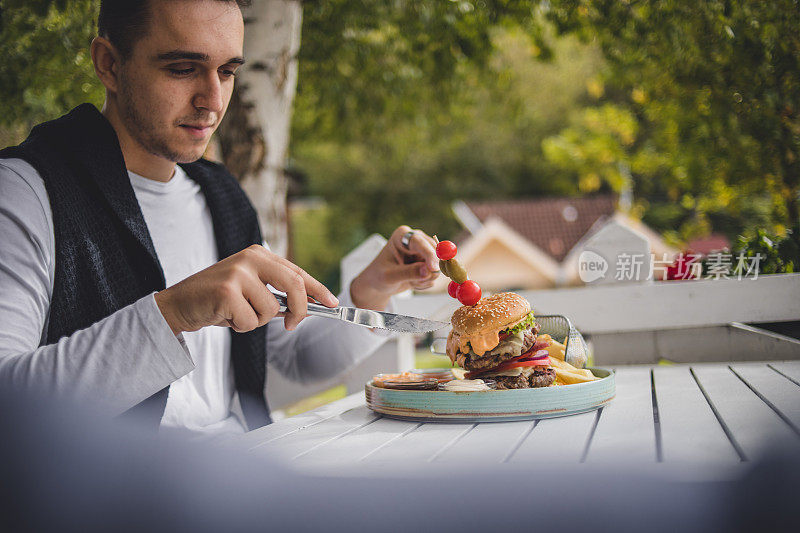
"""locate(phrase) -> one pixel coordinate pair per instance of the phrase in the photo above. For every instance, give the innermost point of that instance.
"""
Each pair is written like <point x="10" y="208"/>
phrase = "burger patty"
<point x="539" y="378"/>
<point x="511" y="382"/>
<point x="474" y="362"/>
<point x="543" y="379"/>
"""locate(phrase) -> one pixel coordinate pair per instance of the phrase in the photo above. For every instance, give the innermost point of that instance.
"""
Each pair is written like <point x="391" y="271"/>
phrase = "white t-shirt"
<point x="179" y="221"/>
<point x="132" y="354"/>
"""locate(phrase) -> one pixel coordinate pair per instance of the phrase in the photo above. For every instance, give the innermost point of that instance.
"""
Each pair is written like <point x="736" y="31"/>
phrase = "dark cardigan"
<point x="104" y="256"/>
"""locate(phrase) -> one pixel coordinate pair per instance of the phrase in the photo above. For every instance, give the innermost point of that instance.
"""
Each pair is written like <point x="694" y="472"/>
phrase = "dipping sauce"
<point x="467" y="385"/>
<point x="405" y="376"/>
<point x="442" y="374"/>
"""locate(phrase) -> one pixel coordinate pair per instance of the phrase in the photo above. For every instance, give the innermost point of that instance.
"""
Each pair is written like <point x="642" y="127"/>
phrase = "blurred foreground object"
<point x="61" y="472"/>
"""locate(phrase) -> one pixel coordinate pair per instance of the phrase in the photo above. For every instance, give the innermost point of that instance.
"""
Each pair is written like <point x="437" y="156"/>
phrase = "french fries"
<point x="458" y="373"/>
<point x="566" y="374"/>
<point x="555" y="349"/>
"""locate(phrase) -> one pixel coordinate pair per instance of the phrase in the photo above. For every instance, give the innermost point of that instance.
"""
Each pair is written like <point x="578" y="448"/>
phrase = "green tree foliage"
<point x="478" y="134"/>
<point x="364" y="65"/>
<point x="701" y="104"/>
<point x="778" y="254"/>
<point x="46" y="68"/>
<point x="404" y="106"/>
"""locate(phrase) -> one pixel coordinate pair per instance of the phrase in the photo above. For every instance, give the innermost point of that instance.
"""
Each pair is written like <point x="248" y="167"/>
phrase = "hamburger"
<point x="497" y="338"/>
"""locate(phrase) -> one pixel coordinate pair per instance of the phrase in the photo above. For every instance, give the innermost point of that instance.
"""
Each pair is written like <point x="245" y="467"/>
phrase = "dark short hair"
<point x="123" y="21"/>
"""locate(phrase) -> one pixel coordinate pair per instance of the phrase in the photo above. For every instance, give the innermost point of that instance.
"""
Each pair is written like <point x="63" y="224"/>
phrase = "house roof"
<point x="712" y="243"/>
<point x="540" y="270"/>
<point x="553" y="224"/>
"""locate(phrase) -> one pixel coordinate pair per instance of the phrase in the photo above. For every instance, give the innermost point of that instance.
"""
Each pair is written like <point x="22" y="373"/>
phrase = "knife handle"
<point x="313" y="309"/>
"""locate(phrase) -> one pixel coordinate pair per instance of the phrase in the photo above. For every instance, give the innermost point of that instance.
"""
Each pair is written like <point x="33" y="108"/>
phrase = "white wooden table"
<point x="699" y="418"/>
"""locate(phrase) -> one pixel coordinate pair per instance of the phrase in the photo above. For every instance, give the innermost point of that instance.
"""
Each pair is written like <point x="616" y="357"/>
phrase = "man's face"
<point x="175" y="87"/>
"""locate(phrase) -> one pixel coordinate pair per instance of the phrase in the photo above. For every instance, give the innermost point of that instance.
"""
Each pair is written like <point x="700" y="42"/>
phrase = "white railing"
<point x="651" y="306"/>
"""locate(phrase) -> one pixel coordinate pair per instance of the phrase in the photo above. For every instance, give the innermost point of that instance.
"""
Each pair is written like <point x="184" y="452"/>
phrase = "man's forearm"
<point x="117" y="362"/>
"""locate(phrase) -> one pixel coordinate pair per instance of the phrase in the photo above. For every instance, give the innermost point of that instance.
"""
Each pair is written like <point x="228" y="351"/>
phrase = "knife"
<point x="369" y="318"/>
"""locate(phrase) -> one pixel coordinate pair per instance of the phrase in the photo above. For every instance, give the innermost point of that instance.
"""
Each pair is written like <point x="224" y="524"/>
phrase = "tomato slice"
<point x="517" y="362"/>
<point x="536" y="356"/>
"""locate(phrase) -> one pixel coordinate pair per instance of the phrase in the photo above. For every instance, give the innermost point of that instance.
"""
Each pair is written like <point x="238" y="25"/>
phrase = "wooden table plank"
<point x="360" y="443"/>
<point x="625" y="429"/>
<point x="750" y="422"/>
<point x="781" y="393"/>
<point x="689" y="430"/>
<point x="306" y="438"/>
<point x="790" y="369"/>
<point x="345" y="433"/>
<point x="562" y="440"/>
<point x="423" y="444"/>
<point x="296" y="423"/>
<point x="487" y="443"/>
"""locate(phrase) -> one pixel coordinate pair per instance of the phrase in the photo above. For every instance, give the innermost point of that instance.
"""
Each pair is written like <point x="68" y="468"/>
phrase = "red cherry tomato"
<point x="446" y="250"/>
<point x="468" y="293"/>
<point x="452" y="289"/>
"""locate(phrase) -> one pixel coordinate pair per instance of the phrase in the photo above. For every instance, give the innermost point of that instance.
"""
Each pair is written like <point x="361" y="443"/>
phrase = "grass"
<point x="318" y="400"/>
<point x="425" y="359"/>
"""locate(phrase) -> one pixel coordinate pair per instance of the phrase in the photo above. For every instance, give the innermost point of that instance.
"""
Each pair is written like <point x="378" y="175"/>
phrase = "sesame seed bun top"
<point x="494" y="312"/>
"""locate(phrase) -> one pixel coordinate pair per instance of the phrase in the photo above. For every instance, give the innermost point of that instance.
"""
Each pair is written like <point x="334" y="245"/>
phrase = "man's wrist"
<point x="163" y="302"/>
<point x="365" y="296"/>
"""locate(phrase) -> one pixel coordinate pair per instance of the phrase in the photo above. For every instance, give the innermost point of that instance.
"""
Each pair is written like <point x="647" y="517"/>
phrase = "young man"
<point x="116" y="261"/>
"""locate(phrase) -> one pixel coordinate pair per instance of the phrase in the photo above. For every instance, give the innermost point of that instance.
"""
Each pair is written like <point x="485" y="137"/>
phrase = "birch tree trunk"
<point x="254" y="136"/>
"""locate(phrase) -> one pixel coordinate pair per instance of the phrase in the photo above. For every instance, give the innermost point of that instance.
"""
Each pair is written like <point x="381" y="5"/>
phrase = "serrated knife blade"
<point x="369" y="318"/>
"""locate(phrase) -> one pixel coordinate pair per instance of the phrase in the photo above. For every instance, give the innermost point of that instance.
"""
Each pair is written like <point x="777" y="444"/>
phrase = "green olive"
<point x="456" y="272"/>
<point x="444" y="268"/>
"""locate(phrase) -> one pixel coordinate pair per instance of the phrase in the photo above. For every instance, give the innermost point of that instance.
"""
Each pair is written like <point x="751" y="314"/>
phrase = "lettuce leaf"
<point x="527" y="323"/>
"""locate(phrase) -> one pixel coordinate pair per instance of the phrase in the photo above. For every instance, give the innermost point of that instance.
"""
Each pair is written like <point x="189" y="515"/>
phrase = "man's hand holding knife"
<point x="233" y="292"/>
